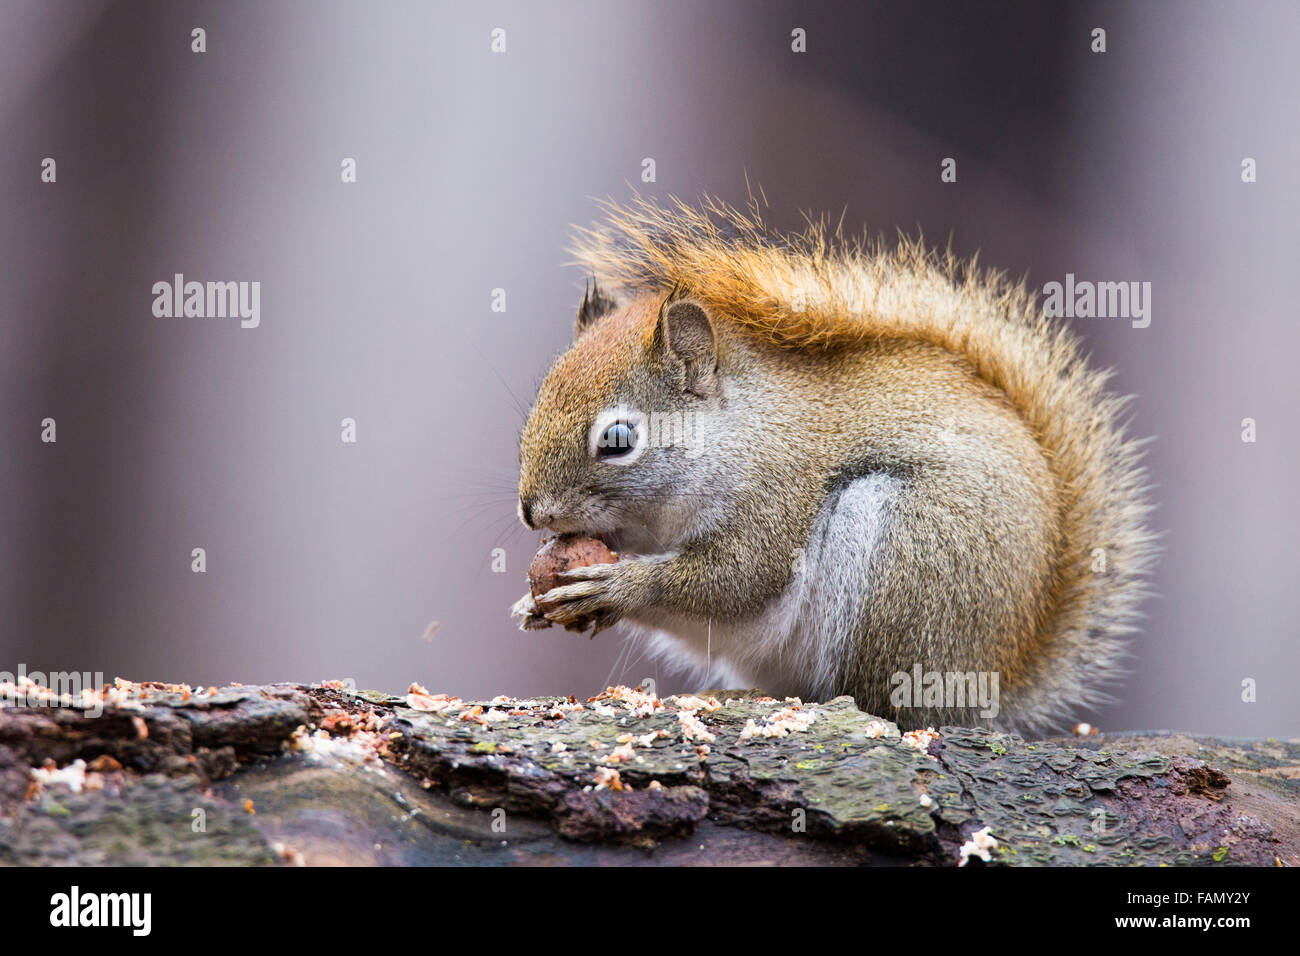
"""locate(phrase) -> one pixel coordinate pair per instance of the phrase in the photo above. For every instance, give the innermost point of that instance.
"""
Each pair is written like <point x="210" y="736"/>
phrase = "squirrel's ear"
<point x="595" y="305"/>
<point x="685" y="337"/>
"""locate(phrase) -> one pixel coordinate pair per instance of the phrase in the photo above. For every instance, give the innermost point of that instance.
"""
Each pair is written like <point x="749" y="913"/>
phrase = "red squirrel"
<point x="896" y="466"/>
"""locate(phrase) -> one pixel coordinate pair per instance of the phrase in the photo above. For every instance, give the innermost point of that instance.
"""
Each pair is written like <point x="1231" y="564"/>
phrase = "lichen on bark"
<point x="315" y="774"/>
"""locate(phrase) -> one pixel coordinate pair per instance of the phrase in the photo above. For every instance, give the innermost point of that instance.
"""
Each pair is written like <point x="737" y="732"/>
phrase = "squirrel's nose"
<point x="526" y="513"/>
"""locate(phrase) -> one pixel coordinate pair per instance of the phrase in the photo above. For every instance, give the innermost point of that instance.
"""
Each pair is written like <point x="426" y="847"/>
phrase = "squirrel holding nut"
<point x="825" y="465"/>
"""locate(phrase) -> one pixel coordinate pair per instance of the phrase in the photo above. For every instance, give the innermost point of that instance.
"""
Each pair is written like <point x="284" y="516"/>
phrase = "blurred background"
<point x="330" y="560"/>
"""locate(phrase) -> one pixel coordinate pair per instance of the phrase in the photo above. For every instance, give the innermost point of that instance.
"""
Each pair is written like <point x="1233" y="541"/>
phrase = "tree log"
<point x="286" y="774"/>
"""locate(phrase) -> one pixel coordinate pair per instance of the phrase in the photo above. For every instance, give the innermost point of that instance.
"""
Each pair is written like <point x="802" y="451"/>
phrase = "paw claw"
<point x="524" y="607"/>
<point x="525" y="610"/>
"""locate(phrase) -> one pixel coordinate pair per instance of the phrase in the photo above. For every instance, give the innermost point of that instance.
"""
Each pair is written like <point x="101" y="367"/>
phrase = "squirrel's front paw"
<point x="525" y="611"/>
<point x="595" y="595"/>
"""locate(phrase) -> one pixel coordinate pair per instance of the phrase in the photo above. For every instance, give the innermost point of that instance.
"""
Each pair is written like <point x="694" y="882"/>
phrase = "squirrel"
<point x="897" y="467"/>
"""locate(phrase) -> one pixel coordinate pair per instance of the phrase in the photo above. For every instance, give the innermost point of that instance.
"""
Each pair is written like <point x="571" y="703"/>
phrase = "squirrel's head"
<point x="613" y="445"/>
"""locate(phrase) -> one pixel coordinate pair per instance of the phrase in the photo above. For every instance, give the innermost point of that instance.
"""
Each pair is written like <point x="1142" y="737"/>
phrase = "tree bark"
<point x="287" y="774"/>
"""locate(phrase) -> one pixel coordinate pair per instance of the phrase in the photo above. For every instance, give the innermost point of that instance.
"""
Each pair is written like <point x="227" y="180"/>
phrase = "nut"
<point x="561" y="554"/>
<point x="556" y="556"/>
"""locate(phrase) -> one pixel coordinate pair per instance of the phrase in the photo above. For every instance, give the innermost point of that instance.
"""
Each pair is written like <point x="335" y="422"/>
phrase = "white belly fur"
<point x="795" y="646"/>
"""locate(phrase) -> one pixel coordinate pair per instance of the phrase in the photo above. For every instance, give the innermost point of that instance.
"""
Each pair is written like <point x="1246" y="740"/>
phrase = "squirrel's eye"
<point x="616" y="440"/>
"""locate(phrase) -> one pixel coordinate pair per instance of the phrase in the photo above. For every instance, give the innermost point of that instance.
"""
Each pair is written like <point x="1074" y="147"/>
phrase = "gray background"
<point x="328" y="560"/>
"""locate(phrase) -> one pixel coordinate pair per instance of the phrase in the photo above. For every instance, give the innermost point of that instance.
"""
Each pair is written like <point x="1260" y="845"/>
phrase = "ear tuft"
<point x="595" y="305"/>
<point x="686" y="337"/>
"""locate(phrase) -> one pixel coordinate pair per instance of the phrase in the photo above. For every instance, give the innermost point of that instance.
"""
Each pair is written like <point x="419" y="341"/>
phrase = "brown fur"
<point x="1017" y="464"/>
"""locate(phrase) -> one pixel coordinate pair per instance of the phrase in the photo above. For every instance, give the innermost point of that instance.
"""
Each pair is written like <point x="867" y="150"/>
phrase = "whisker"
<point x="519" y="406"/>
<point x="477" y="513"/>
<point x="645" y="646"/>
<point x="627" y="643"/>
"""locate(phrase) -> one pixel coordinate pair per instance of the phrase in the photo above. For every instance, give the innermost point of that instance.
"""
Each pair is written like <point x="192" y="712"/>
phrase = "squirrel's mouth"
<point x="625" y="537"/>
<point x="627" y="541"/>
<point x="615" y="539"/>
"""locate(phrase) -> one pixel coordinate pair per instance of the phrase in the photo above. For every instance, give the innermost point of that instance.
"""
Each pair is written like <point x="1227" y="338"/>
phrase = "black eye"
<point x="618" y="439"/>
